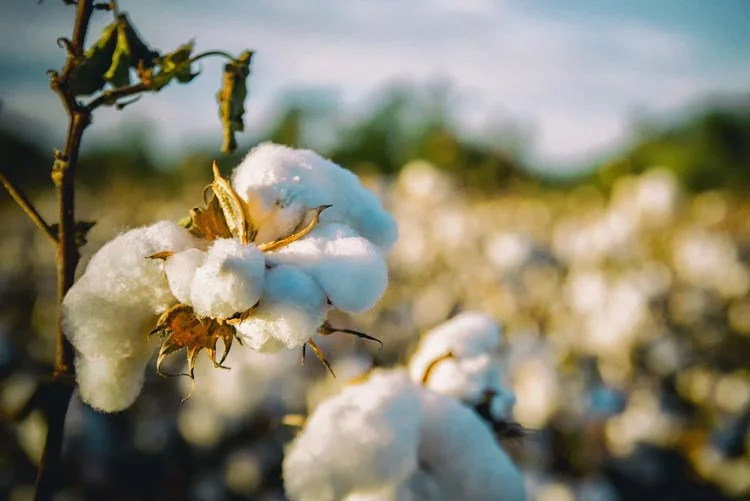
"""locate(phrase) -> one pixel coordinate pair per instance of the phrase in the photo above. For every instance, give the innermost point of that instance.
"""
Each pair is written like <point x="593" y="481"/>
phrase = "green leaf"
<point x="174" y="65"/>
<point x="89" y="75"/>
<point x="231" y="99"/>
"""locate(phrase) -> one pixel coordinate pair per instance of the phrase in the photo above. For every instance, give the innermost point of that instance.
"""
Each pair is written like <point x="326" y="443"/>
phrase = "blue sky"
<point x="575" y="71"/>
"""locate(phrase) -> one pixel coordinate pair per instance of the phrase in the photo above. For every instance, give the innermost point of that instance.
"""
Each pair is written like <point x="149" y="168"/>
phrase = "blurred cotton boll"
<point x="460" y="358"/>
<point x="397" y="441"/>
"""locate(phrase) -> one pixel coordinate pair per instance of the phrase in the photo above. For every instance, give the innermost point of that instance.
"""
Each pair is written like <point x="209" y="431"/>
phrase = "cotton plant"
<point x="289" y="238"/>
<point x="388" y="438"/>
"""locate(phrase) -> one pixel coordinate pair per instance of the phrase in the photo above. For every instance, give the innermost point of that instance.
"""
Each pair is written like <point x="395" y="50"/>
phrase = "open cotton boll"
<point x="279" y="181"/>
<point x="350" y="269"/>
<point x="230" y="279"/>
<point x="359" y="441"/>
<point x="460" y="453"/>
<point x="104" y="312"/>
<point x="180" y="269"/>
<point x="465" y="335"/>
<point x="111" y="384"/>
<point x="290" y="311"/>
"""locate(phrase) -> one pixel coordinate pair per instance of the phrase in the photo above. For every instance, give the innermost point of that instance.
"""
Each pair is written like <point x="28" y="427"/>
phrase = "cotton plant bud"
<point x="279" y="182"/>
<point x="390" y="439"/>
<point x="105" y="310"/>
<point x="291" y="309"/>
<point x="351" y="271"/>
<point x="229" y="281"/>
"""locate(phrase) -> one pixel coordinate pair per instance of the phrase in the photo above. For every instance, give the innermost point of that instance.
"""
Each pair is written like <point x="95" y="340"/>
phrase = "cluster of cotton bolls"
<point x="609" y="299"/>
<point x="277" y="299"/>
<point x="398" y="435"/>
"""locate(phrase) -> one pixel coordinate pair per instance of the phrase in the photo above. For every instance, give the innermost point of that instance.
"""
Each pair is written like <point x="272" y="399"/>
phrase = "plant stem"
<point x="63" y="174"/>
<point x="21" y="199"/>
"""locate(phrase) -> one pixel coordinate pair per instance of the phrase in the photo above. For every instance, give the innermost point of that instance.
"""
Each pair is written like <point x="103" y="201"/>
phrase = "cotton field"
<point x="613" y="327"/>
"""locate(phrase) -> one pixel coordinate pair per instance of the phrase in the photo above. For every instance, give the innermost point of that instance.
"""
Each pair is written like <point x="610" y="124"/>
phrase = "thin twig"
<point x="63" y="174"/>
<point x="25" y="204"/>
<point x="110" y="97"/>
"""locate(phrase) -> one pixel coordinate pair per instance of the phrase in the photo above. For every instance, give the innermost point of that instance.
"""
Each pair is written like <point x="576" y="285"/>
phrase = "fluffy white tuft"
<point x="230" y="279"/>
<point x="180" y="269"/>
<point x="111" y="384"/>
<point x="104" y="311"/>
<point x="350" y="269"/>
<point x="290" y="311"/>
<point x="281" y="183"/>
<point x="359" y="441"/>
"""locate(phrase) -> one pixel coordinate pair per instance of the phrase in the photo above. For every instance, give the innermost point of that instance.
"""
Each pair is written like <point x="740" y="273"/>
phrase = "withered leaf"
<point x="174" y="65"/>
<point x="118" y="73"/>
<point x="181" y="328"/>
<point x="89" y="74"/>
<point x="231" y="99"/>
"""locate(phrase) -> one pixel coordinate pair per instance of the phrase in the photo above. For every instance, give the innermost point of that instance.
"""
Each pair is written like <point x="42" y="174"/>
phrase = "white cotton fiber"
<point x="105" y="311"/>
<point x="230" y="280"/>
<point x="359" y="441"/>
<point x="180" y="269"/>
<point x="461" y="454"/>
<point x="290" y="311"/>
<point x="281" y="182"/>
<point x="350" y="269"/>
<point x="111" y="384"/>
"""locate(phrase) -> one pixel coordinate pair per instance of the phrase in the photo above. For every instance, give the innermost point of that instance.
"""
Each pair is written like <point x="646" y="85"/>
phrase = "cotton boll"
<point x="110" y="384"/>
<point x="359" y="441"/>
<point x="230" y="279"/>
<point x="279" y="181"/>
<point x="180" y="269"/>
<point x="466" y="335"/>
<point x="290" y="311"/>
<point x="351" y="270"/>
<point x="105" y="311"/>
<point x="460" y="453"/>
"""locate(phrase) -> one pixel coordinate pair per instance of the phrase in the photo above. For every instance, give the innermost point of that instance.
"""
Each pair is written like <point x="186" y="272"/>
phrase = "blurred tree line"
<point x="708" y="149"/>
